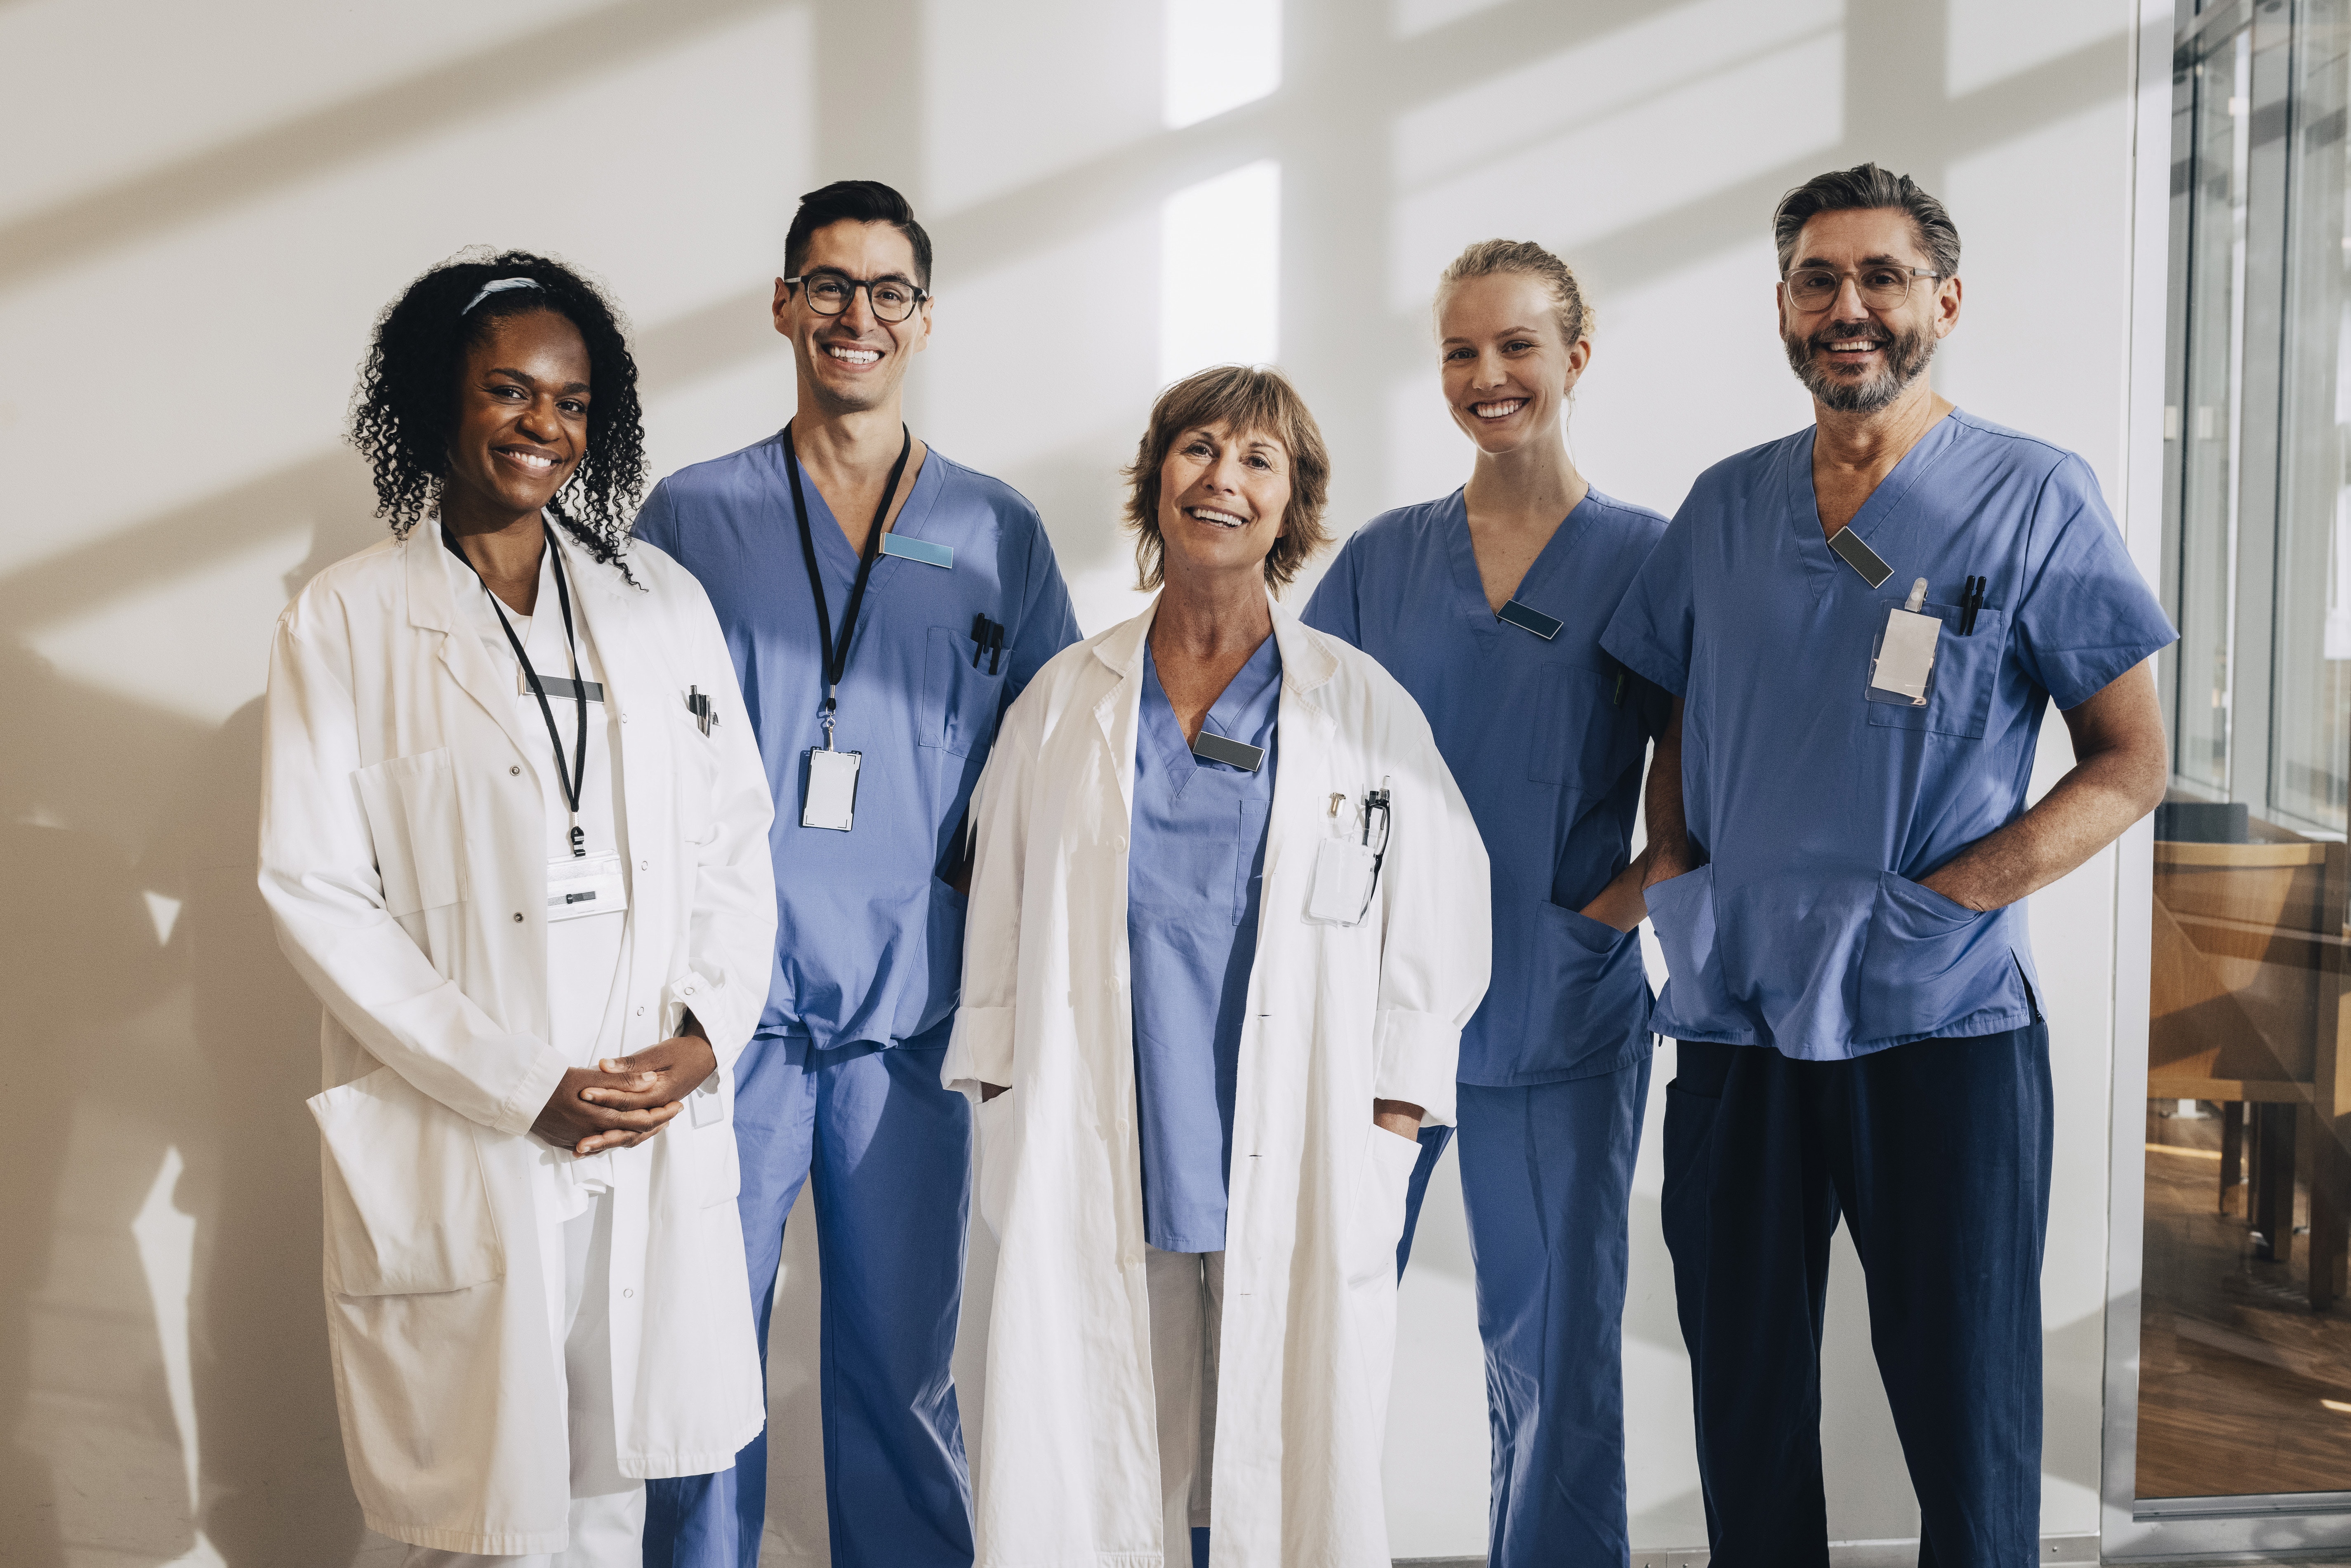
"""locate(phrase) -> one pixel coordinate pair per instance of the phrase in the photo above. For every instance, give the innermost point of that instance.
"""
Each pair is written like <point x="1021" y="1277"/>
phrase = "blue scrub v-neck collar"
<point x="1471" y="588"/>
<point x="1248" y="685"/>
<point x="1878" y="523"/>
<point x="834" y="556"/>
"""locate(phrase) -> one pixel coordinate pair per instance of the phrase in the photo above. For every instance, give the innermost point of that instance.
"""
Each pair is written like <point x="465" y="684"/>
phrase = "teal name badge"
<point x="923" y="551"/>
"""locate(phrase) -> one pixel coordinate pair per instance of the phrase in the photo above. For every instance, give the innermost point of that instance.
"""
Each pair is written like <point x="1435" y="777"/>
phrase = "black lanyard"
<point x="576" y="775"/>
<point x="836" y="657"/>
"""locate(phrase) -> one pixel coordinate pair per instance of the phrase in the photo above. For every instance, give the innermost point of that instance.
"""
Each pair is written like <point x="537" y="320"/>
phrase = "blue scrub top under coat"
<point x="1195" y="864"/>
<point x="1818" y="808"/>
<point x="1547" y="750"/>
<point x="868" y="942"/>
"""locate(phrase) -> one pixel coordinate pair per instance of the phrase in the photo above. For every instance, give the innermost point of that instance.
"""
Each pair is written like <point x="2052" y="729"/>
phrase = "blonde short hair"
<point x="1245" y="399"/>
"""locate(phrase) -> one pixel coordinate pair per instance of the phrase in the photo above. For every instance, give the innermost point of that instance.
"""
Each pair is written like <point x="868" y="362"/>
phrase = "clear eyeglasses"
<point x="829" y="293"/>
<point x="1881" y="287"/>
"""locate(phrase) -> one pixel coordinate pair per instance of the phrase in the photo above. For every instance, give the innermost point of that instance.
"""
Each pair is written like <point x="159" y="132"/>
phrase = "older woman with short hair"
<point x="1228" y="916"/>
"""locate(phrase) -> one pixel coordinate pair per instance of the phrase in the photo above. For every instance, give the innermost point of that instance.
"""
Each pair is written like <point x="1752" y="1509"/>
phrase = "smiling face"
<point x="853" y="362"/>
<point x="1852" y="358"/>
<point x="522" y="417"/>
<point x="1507" y="369"/>
<point x="1222" y="498"/>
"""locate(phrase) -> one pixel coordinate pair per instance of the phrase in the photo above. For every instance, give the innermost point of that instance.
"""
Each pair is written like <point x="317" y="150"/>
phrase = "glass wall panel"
<point x="2245" y="1337"/>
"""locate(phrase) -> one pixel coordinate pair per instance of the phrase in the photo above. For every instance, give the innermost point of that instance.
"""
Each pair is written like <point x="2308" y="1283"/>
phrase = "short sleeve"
<point x="1652" y="631"/>
<point x="1048" y="623"/>
<point x="1332" y="607"/>
<point x="2086" y="616"/>
<point x="657" y="521"/>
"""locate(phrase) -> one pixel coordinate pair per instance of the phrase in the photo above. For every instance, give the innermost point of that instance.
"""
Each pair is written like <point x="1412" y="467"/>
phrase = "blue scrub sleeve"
<point x="1655" y="627"/>
<point x="657" y="521"/>
<point x="2086" y="617"/>
<point x="1332" y="608"/>
<point x="1047" y="623"/>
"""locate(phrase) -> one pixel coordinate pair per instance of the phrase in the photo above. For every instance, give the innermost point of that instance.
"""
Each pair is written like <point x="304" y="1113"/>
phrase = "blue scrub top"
<point x="868" y="941"/>
<point x="1196" y="860"/>
<point x="1817" y="807"/>
<point x="1546" y="745"/>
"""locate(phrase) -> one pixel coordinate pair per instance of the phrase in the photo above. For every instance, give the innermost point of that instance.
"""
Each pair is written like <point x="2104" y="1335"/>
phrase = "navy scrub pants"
<point x="1546" y="1179"/>
<point x="890" y="1152"/>
<point x="1937" y="1154"/>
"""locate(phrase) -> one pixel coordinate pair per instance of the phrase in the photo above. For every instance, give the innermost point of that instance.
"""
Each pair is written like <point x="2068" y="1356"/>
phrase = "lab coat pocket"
<point x="1960" y="688"/>
<point x="408" y="1210"/>
<point x="1695" y="1005"/>
<point x="1586" y="973"/>
<point x="694" y="758"/>
<point x="1581" y="732"/>
<point x="420" y="842"/>
<point x="992" y="1145"/>
<point x="1928" y="961"/>
<point x="1376" y="1224"/>
<point x="699" y="1144"/>
<point x="960" y="697"/>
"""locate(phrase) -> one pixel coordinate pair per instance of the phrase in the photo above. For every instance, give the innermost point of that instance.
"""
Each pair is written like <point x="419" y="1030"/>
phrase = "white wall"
<point x="203" y="208"/>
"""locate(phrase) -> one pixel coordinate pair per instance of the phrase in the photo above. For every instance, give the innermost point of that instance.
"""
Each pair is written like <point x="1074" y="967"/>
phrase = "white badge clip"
<point x="1905" y="660"/>
<point x="832" y="798"/>
<point x="1343" y="883"/>
<point x="590" y="885"/>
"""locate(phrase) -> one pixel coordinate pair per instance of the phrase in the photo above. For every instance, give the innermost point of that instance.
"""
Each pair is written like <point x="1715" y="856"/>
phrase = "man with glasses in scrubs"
<point x="1862" y="624"/>
<point x="884" y="605"/>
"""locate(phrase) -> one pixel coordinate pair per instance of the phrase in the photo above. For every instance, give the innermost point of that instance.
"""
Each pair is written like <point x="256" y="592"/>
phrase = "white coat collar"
<point x="1307" y="666"/>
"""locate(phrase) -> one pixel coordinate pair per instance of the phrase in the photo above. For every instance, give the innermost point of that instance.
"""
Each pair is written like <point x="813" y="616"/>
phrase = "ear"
<point x="779" y="309"/>
<point x="1579" y="356"/>
<point x="1946" y="307"/>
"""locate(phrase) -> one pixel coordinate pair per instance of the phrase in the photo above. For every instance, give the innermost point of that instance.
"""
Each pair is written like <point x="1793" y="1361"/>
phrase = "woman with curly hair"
<point x="514" y="833"/>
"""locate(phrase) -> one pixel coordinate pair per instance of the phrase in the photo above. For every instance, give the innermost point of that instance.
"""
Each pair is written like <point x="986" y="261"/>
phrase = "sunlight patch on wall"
<point x="1218" y="54"/>
<point x="1220" y="271"/>
<point x="166" y="1236"/>
<point x="1990" y="40"/>
<point x="1414" y="17"/>
<point x="1665" y="153"/>
<point x="1001" y="113"/>
<point x="197" y="645"/>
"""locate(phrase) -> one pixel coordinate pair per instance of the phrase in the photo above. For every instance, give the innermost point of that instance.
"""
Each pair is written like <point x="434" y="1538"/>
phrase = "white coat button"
<point x="686" y="992"/>
<point x="624" y="718"/>
<point x="516" y="771"/>
<point x="518" y="917"/>
<point x="644" y="865"/>
<point x="627" y="1294"/>
<point x="641" y="1012"/>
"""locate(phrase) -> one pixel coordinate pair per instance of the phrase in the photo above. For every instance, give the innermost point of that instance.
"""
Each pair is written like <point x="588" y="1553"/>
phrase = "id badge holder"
<point x="1343" y="883"/>
<point x="1902" y="659"/>
<point x="577" y="887"/>
<point x="831" y="798"/>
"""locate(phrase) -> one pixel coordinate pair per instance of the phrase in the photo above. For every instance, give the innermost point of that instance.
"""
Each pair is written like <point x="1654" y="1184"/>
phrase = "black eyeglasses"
<point x="829" y="294"/>
<point x="1881" y="287"/>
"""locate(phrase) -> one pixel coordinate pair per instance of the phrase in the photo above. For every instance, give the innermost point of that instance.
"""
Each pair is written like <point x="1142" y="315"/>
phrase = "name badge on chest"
<point x="1903" y="661"/>
<point x="832" y="798"/>
<point x="592" y="884"/>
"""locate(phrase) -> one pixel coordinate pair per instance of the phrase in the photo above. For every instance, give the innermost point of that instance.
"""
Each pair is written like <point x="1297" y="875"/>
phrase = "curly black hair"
<point x="404" y="412"/>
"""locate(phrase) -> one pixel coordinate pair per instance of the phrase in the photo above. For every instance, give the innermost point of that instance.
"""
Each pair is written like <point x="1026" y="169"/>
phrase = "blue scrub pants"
<point x="1937" y="1154"/>
<point x="890" y="1152"/>
<point x="1546" y="1179"/>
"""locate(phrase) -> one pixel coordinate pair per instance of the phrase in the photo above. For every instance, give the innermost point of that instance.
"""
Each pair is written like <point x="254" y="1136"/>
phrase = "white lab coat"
<point x="403" y="853"/>
<point x="1068" y="1467"/>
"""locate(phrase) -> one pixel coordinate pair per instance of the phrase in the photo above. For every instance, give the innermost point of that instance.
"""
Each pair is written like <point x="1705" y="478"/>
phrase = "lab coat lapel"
<point x="1119" y="712"/>
<point x="434" y="583"/>
<point x="1307" y="727"/>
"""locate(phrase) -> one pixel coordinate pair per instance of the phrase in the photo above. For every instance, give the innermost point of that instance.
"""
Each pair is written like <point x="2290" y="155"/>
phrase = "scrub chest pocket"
<point x="961" y="697"/>
<point x="1960" y="688"/>
<point x="1585" y="728"/>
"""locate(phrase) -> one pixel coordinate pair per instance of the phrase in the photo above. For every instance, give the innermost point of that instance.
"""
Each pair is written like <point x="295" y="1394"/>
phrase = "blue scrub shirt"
<point x="1545" y="739"/>
<point x="868" y="941"/>
<point x="1196" y="860"/>
<point x="1819" y="808"/>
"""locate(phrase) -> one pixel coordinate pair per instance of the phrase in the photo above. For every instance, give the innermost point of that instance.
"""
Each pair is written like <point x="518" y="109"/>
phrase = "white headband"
<point x="496" y="286"/>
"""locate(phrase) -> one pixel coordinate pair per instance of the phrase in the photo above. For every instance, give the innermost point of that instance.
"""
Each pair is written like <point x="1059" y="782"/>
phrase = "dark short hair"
<point x="1864" y="188"/>
<point x="855" y="202"/>
<point x="405" y="409"/>
<point x="1247" y="400"/>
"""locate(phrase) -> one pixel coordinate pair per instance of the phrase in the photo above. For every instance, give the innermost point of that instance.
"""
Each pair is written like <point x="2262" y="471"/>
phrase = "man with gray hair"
<point x="1862" y="624"/>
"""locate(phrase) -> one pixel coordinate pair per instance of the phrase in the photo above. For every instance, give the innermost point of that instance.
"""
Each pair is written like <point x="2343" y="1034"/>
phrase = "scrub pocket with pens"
<point x="1957" y="695"/>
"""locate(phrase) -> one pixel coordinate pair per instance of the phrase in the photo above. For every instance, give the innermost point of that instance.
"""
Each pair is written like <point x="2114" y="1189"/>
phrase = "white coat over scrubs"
<point x="1068" y="1467"/>
<point x="403" y="853"/>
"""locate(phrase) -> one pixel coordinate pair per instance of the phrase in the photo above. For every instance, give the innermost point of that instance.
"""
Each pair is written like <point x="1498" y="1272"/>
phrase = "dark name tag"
<point x="1232" y="753"/>
<point x="1860" y="556"/>
<point x="561" y="686"/>
<point x="1527" y="618"/>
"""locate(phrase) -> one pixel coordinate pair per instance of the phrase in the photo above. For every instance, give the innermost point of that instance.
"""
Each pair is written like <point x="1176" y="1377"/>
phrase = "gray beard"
<point x="1907" y="355"/>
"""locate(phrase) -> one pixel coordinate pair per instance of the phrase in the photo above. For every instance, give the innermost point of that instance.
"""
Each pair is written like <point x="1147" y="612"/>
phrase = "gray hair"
<point x="1866" y="188"/>
<point x="1489" y="257"/>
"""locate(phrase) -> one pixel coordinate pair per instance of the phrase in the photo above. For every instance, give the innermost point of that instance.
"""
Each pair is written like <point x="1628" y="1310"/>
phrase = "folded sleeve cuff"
<point x="726" y="1019"/>
<point x="521" y="1107"/>
<point x="1417" y="1055"/>
<point x="979" y="1051"/>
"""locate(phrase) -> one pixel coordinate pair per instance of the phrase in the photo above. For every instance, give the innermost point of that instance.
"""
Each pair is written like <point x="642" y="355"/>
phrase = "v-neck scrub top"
<point x="1818" y="808"/>
<point x="1195" y="864"/>
<point x="1545" y="739"/>
<point x="868" y="942"/>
